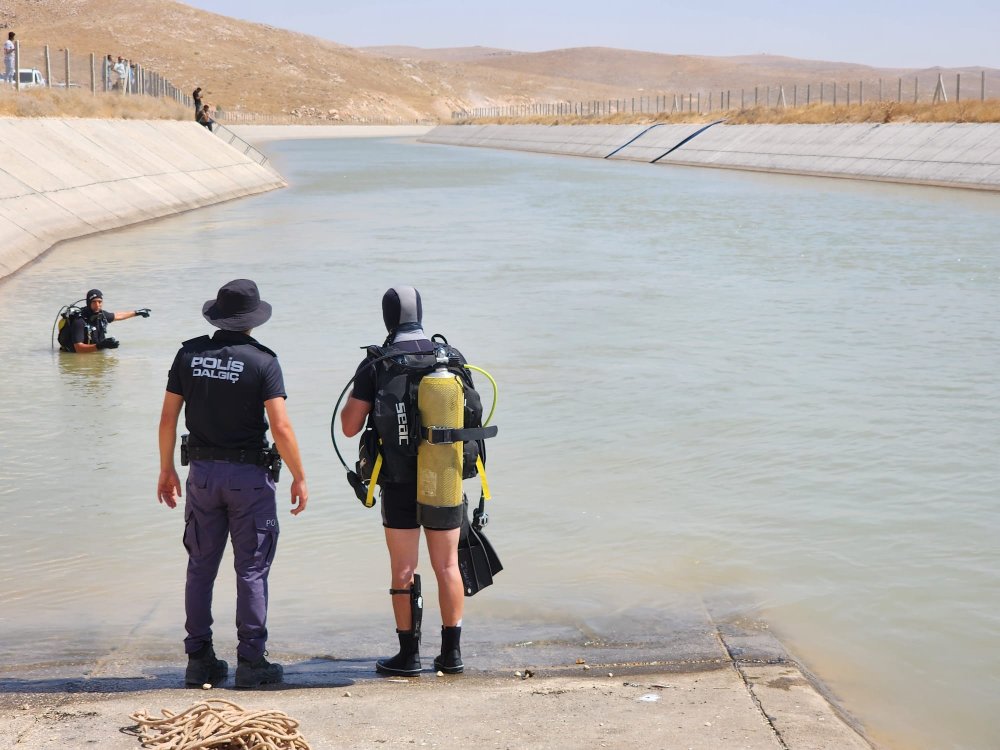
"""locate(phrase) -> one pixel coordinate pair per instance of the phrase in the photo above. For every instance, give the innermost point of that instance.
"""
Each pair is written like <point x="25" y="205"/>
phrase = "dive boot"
<point x="204" y="668"/>
<point x="250" y="674"/>
<point x="407" y="662"/>
<point x="450" y="660"/>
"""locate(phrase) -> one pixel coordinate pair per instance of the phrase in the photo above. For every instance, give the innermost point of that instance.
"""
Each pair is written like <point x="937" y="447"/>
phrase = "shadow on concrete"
<point x="317" y="672"/>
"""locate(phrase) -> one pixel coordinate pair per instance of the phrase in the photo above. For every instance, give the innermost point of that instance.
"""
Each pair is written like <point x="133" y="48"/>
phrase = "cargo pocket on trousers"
<point x="197" y="475"/>
<point x="190" y="533"/>
<point x="267" y="539"/>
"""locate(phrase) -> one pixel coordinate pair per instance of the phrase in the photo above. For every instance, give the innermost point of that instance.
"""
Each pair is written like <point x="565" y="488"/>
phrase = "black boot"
<point x="407" y="662"/>
<point x="205" y="669"/>
<point x="251" y="674"/>
<point x="450" y="660"/>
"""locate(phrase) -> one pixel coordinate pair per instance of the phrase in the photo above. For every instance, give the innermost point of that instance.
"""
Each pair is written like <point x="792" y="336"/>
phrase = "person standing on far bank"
<point x="230" y="387"/>
<point x="8" y="58"/>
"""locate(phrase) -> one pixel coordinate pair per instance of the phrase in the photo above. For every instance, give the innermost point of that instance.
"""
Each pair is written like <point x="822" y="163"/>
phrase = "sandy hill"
<point x="628" y="71"/>
<point x="440" y="54"/>
<point x="258" y="68"/>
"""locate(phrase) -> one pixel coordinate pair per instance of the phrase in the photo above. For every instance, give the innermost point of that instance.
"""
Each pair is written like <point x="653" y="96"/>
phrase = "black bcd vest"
<point x="394" y="427"/>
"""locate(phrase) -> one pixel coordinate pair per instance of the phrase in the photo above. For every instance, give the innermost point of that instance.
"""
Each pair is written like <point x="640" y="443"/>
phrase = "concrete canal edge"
<point x="965" y="155"/>
<point x="66" y="178"/>
<point x="701" y="683"/>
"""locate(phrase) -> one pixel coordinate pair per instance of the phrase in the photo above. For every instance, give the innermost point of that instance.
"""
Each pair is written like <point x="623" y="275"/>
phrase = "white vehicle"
<point x="30" y="78"/>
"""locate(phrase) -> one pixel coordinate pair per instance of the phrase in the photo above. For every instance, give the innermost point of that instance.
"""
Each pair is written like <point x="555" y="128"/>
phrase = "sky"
<point x="882" y="33"/>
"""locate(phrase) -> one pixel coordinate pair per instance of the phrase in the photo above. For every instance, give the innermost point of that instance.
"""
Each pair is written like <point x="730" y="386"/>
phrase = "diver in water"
<point x="86" y="329"/>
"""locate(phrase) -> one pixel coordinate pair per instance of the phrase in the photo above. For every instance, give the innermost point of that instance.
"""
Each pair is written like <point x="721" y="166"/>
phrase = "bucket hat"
<point x="237" y="307"/>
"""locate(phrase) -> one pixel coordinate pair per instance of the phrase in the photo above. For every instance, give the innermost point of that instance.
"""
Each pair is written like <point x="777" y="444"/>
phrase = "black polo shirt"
<point x="225" y="381"/>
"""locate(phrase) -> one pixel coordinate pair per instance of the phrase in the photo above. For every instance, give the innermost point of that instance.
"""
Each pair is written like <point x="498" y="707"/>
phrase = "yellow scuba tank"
<point x="441" y="403"/>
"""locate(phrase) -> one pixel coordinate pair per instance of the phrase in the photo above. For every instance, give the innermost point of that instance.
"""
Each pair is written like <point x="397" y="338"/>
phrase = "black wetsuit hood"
<point x="401" y="306"/>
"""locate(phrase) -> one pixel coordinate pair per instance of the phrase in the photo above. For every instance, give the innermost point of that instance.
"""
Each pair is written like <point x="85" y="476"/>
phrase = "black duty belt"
<point x="232" y="455"/>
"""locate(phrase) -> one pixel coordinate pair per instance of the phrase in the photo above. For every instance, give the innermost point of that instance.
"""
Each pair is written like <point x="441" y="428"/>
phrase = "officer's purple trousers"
<point x="228" y="499"/>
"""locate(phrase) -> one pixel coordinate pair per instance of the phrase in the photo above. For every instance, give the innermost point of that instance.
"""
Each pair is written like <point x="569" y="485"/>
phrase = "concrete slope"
<point x="943" y="154"/>
<point x="61" y="179"/>
<point x="694" y="683"/>
<point x="948" y="154"/>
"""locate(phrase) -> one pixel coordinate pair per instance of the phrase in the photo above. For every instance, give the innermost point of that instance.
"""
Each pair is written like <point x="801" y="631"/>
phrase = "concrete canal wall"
<point x="944" y="154"/>
<point x="65" y="178"/>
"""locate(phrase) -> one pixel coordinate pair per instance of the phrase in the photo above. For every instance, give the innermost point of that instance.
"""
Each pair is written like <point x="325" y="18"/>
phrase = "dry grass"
<point x="972" y="111"/>
<point x="815" y="114"/>
<point x="43" y="102"/>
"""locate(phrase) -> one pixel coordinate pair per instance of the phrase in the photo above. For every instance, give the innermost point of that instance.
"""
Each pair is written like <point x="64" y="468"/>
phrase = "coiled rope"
<point x="219" y="724"/>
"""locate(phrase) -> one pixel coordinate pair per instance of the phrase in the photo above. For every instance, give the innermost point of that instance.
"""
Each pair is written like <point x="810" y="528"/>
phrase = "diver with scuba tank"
<point x="85" y="329"/>
<point x="410" y="381"/>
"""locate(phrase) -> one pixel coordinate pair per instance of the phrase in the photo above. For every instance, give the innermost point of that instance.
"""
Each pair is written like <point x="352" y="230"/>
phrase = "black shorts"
<point x="399" y="510"/>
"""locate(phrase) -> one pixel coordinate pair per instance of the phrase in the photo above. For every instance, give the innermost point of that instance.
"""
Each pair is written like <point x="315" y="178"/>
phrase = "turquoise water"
<point x="773" y="391"/>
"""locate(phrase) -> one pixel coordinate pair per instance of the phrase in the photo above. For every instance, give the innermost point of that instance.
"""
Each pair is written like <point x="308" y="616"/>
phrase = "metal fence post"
<point x="17" y="66"/>
<point x="958" y="88"/>
<point x="66" y="54"/>
<point x="848" y="93"/>
<point x="820" y="92"/>
<point x="48" y="68"/>
<point x="834" y="93"/>
<point x="93" y="75"/>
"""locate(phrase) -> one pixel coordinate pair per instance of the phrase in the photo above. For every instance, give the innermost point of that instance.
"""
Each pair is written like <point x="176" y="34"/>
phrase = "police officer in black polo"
<point x="227" y="383"/>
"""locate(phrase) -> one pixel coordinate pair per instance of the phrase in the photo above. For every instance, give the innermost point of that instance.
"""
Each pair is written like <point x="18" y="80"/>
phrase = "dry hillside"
<point x="257" y="68"/>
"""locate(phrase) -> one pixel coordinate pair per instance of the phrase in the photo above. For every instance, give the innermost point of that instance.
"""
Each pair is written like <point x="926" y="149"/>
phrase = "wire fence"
<point x="41" y="67"/>
<point x="44" y="67"/>
<point x="916" y="90"/>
